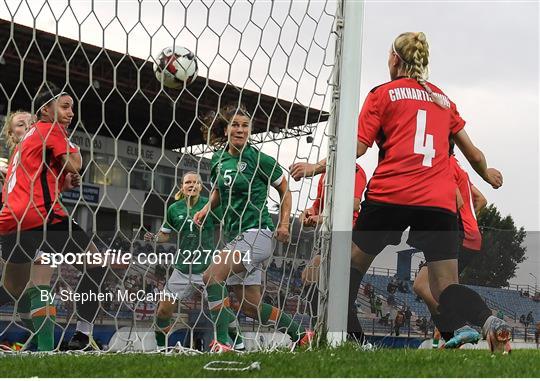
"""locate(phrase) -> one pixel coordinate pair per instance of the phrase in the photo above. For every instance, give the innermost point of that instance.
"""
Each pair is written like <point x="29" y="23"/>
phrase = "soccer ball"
<point x="175" y="67"/>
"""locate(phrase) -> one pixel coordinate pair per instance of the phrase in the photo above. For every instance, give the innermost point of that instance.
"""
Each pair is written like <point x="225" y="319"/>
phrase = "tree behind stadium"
<point x="502" y="250"/>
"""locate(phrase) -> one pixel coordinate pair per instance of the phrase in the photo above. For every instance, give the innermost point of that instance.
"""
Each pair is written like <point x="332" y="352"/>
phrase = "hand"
<point x="149" y="236"/>
<point x="314" y="220"/>
<point x="75" y="179"/>
<point x="305" y="215"/>
<point x="198" y="217"/>
<point x="494" y="178"/>
<point x="72" y="180"/>
<point x="282" y="233"/>
<point x="299" y="170"/>
<point x="3" y="166"/>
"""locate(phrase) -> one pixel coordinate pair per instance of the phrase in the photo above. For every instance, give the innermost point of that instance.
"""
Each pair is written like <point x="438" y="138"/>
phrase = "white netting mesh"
<point x="137" y="138"/>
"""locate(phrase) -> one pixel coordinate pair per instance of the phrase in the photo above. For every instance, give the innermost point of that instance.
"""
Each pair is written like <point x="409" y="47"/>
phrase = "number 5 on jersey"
<point x="423" y="143"/>
<point x="227" y="178"/>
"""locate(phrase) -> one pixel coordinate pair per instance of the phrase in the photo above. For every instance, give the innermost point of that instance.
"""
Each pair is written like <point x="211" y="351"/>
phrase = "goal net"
<point x="272" y="62"/>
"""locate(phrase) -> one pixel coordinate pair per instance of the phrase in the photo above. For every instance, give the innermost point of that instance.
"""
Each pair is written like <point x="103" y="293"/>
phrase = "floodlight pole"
<point x="342" y="152"/>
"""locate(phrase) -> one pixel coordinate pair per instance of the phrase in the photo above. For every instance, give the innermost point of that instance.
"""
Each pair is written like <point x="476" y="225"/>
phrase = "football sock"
<point x="313" y="302"/>
<point x="436" y="337"/>
<point x="235" y="334"/>
<point x="443" y="321"/>
<point x="273" y="315"/>
<point x="354" y="328"/>
<point x="459" y="304"/>
<point x="24" y="311"/>
<point x="163" y="327"/>
<point x="220" y="310"/>
<point x="90" y="283"/>
<point x="43" y="317"/>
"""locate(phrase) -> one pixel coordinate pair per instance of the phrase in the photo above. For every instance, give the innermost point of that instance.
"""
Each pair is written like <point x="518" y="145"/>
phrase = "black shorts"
<point x="465" y="257"/>
<point x="23" y="246"/>
<point x="434" y="231"/>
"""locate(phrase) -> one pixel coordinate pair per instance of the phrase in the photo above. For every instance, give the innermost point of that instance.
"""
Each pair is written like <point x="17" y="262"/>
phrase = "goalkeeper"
<point x="195" y="249"/>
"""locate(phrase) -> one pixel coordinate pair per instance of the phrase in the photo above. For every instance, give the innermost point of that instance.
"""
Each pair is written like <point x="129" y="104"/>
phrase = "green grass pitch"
<point x="339" y="362"/>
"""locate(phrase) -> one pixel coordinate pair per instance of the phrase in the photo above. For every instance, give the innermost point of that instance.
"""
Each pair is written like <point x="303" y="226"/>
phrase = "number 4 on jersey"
<point x="423" y="143"/>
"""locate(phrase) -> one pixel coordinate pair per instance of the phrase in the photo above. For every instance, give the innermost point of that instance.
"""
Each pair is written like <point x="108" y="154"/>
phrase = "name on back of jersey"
<point x="400" y="93"/>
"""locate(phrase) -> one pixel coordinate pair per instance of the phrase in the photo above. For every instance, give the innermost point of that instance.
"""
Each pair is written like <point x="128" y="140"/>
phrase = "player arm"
<point x="299" y="170"/>
<point x="214" y="200"/>
<point x="360" y="181"/>
<point x="164" y="233"/>
<point x="356" y="204"/>
<point x="369" y="125"/>
<point x="479" y="200"/>
<point x="477" y="159"/>
<point x="459" y="199"/>
<point x="213" y="203"/>
<point x="285" y="202"/>
<point x="72" y="162"/>
<point x="63" y="150"/>
<point x="162" y="236"/>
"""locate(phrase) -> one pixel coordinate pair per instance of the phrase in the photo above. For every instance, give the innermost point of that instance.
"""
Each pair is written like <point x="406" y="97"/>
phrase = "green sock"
<point x="43" y="317"/>
<point x="23" y="309"/>
<point x="235" y="334"/>
<point x="282" y="320"/>
<point x="220" y="311"/>
<point x="163" y="326"/>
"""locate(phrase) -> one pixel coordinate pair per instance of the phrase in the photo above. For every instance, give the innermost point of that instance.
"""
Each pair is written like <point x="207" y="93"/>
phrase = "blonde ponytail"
<point x="179" y="195"/>
<point x="413" y="51"/>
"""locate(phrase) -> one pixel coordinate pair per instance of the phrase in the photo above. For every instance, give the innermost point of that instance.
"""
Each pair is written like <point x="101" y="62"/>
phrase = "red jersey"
<point x="359" y="186"/>
<point x="35" y="179"/>
<point x="473" y="238"/>
<point x="412" y="134"/>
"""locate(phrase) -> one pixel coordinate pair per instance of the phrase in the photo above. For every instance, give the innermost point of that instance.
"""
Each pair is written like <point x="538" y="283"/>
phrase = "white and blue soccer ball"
<point x="175" y="67"/>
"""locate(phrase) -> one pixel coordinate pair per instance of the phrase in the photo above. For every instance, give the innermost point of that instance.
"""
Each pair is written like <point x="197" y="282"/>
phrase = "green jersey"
<point x="195" y="243"/>
<point x="242" y="182"/>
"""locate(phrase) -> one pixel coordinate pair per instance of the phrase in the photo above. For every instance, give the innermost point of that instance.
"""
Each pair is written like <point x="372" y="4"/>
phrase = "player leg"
<point x="18" y="251"/>
<point x="436" y="234"/>
<point x="218" y="296"/>
<point x="256" y="248"/>
<point x="360" y="263"/>
<point x="175" y="286"/>
<point x="67" y="237"/>
<point x="13" y="288"/>
<point x="54" y="239"/>
<point x="24" y="311"/>
<point x="458" y="304"/>
<point x="376" y="227"/>
<point x="14" y="282"/>
<point x="310" y="281"/>
<point x="179" y="287"/>
<point x="421" y="288"/>
<point x="163" y="321"/>
<point x="235" y="335"/>
<point x="249" y="293"/>
<point x="42" y="312"/>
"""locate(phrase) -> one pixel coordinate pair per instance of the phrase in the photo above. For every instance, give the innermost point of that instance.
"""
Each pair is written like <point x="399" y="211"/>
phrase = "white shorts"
<point x="256" y="246"/>
<point x="185" y="286"/>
